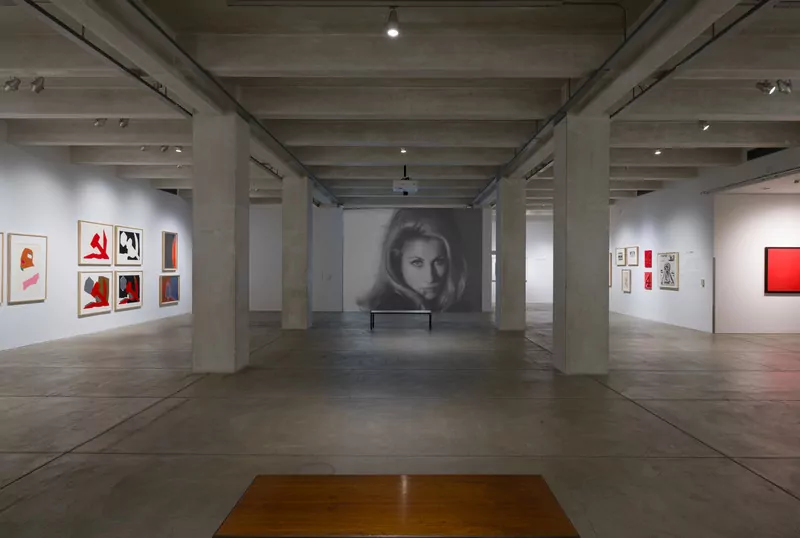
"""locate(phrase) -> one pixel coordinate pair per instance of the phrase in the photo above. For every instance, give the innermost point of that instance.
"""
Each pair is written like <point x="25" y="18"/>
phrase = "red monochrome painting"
<point x="648" y="258"/>
<point x="782" y="270"/>
<point x="648" y="280"/>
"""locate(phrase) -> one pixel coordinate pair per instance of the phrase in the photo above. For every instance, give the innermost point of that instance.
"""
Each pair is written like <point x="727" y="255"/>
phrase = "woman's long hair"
<point x="407" y="225"/>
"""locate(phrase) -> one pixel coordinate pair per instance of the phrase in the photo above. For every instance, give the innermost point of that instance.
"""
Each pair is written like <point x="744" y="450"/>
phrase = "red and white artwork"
<point x="648" y="280"/>
<point x="648" y="258"/>
<point x="129" y="290"/>
<point x="782" y="270"/>
<point x="27" y="268"/>
<point x="95" y="243"/>
<point x="94" y="293"/>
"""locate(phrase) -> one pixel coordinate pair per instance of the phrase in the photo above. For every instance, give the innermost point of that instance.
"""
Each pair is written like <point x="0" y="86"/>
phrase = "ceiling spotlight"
<point x="402" y="150"/>
<point x="657" y="152"/>
<point x="164" y="149"/>
<point x="12" y="84"/>
<point x="123" y="122"/>
<point x="180" y="166"/>
<point x="784" y="86"/>
<point x="766" y="86"/>
<point x="705" y="126"/>
<point x="143" y="148"/>
<point x="37" y="85"/>
<point x="393" y="24"/>
<point x="99" y="122"/>
<point x="178" y="149"/>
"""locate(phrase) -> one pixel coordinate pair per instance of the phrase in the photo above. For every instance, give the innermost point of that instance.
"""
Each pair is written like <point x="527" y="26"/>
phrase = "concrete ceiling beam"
<point x="396" y="172"/>
<point x="399" y="103"/>
<point x="156" y="171"/>
<point x="84" y="133"/>
<point x="644" y="173"/>
<point x="748" y="57"/>
<point x="120" y="156"/>
<point x="682" y="101"/>
<point x="346" y="156"/>
<point x="677" y="157"/>
<point x="48" y="55"/>
<point x="363" y="185"/>
<point x="538" y="185"/>
<point x="439" y="56"/>
<point x="84" y="104"/>
<point x="407" y="201"/>
<point x="631" y="134"/>
<point x="486" y="134"/>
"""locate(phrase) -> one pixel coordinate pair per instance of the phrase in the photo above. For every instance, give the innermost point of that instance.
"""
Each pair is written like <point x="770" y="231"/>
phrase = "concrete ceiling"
<point x="789" y="184"/>
<point x="463" y="89"/>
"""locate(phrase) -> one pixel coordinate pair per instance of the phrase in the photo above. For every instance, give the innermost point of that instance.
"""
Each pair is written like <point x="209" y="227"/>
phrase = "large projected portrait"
<point x="412" y="259"/>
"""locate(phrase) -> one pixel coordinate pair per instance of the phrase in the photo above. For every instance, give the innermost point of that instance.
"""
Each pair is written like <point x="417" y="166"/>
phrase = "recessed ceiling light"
<point x="393" y="24"/>
<point x="402" y="150"/>
<point x="657" y="152"/>
<point x="178" y="149"/>
<point x="12" y="84"/>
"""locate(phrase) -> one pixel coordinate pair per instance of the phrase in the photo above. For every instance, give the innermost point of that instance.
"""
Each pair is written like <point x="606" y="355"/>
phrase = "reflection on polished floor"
<point x="690" y="435"/>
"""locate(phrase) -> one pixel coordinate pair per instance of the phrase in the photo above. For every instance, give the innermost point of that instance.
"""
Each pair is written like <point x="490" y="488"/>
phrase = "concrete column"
<point x="487" y="216"/>
<point x="297" y="242"/>
<point x="221" y="244"/>
<point x="580" y="234"/>
<point x="510" y="310"/>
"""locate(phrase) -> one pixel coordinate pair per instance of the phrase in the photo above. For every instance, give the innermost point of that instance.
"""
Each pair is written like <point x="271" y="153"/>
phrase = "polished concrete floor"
<point x="691" y="435"/>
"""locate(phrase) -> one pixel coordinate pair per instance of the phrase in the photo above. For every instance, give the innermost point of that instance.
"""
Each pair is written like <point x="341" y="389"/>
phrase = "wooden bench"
<point x="307" y="506"/>
<point x="373" y="312"/>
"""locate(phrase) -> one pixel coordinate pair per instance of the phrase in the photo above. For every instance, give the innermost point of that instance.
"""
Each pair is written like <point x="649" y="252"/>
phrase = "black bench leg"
<point x="430" y="322"/>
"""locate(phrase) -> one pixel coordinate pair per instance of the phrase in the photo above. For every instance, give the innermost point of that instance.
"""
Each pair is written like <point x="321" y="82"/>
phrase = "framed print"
<point x="648" y="280"/>
<point x="633" y="256"/>
<point x="622" y="257"/>
<point x="95" y="243"/>
<point x="27" y="268"/>
<point x="610" y="268"/>
<point x="648" y="259"/>
<point x="169" y="290"/>
<point x="782" y="270"/>
<point x="668" y="270"/>
<point x="128" y="246"/>
<point x="169" y="251"/>
<point x="128" y="290"/>
<point x="626" y="280"/>
<point x="94" y="293"/>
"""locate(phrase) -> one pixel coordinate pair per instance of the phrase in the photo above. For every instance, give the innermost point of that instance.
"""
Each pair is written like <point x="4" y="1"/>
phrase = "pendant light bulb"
<point x="393" y="24"/>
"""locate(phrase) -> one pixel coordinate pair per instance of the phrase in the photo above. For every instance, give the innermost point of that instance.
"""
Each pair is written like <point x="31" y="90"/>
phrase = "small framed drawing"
<point x="648" y="258"/>
<point x="128" y="246"/>
<point x="648" y="280"/>
<point x="169" y="251"/>
<point x="633" y="256"/>
<point x="668" y="270"/>
<point x="622" y="258"/>
<point x="94" y="293"/>
<point x="169" y="290"/>
<point x="95" y="243"/>
<point x="128" y="286"/>
<point x="27" y="268"/>
<point x="610" y="268"/>
<point x="626" y="280"/>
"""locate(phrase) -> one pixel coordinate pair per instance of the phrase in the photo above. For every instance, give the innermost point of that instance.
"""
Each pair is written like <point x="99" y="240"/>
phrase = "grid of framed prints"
<point x="128" y="290"/>
<point x="667" y="264"/>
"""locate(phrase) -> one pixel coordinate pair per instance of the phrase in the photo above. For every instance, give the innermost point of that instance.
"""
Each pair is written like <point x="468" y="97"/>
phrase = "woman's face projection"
<point x="424" y="264"/>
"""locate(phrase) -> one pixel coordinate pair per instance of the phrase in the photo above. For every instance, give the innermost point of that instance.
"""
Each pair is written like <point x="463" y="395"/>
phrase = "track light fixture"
<point x="37" y="85"/>
<point x="178" y="149"/>
<point x="143" y="148"/>
<point x="99" y="122"/>
<point x="393" y="23"/>
<point x="766" y="86"/>
<point x="704" y="125"/>
<point x="123" y="122"/>
<point x="164" y="149"/>
<point x="657" y="152"/>
<point x="784" y="86"/>
<point x="12" y="84"/>
<point x="403" y="150"/>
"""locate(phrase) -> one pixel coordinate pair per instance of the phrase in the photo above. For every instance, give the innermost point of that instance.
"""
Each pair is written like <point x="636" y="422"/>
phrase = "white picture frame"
<point x="626" y="280"/>
<point x="633" y="256"/>
<point x="95" y="243"/>
<point x="621" y="257"/>
<point x="669" y="271"/>
<point x="128" y="246"/>
<point x="27" y="279"/>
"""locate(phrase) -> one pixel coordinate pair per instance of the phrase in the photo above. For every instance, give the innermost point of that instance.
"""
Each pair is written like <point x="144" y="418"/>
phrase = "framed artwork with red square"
<point x="648" y="258"/>
<point x="648" y="280"/>
<point x="782" y="270"/>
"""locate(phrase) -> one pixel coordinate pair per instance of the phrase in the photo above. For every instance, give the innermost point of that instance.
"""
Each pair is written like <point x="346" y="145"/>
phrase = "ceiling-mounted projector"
<point x="404" y="185"/>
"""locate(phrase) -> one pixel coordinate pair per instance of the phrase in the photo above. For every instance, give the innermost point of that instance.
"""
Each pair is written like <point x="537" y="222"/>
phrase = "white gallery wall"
<point x="266" y="259"/>
<point x="538" y="259"/>
<point x="744" y="224"/>
<point x="41" y="193"/>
